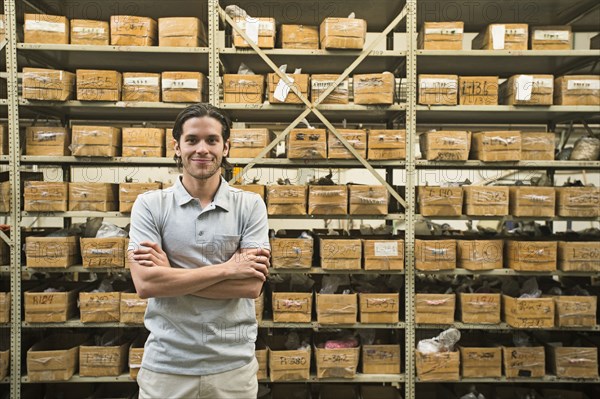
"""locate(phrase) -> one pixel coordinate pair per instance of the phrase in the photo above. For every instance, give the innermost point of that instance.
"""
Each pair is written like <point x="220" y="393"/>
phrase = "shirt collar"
<point x="221" y="199"/>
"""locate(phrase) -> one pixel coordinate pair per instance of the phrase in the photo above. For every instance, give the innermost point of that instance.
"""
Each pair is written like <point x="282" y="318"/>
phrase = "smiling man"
<point x="200" y="251"/>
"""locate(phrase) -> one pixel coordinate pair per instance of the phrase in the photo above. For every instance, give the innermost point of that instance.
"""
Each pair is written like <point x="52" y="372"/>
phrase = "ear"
<point x="226" y="148"/>
<point x="175" y="145"/>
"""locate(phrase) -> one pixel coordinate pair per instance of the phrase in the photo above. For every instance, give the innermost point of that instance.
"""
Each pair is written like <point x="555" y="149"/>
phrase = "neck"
<point x="203" y="189"/>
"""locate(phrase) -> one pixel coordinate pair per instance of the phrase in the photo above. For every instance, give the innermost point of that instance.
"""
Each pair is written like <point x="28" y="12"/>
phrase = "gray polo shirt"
<point x="190" y="335"/>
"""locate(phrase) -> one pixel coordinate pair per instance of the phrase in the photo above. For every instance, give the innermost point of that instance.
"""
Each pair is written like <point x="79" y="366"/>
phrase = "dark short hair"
<point x="198" y="111"/>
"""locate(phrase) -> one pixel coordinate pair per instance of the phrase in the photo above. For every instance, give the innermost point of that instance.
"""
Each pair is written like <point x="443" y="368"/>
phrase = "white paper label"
<point x="385" y="248"/>
<point x="324" y="85"/>
<point x="180" y="84"/>
<point x="546" y="83"/>
<point x="443" y="31"/>
<point x="562" y="35"/>
<point x="515" y="32"/>
<point x="583" y="85"/>
<point x="265" y="26"/>
<point x="498" y="37"/>
<point x="252" y="27"/>
<point x="149" y="81"/>
<point x="2" y="23"/>
<point x="524" y="86"/>
<point x="282" y="90"/>
<point x="431" y="83"/>
<point x="86" y="29"/>
<point x="45" y="26"/>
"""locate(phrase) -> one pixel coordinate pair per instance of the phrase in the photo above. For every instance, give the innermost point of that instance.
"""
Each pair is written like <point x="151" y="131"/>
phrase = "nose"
<point x="202" y="147"/>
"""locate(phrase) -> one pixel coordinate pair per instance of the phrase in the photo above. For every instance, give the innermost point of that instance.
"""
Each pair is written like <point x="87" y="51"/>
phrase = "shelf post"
<point x="213" y="53"/>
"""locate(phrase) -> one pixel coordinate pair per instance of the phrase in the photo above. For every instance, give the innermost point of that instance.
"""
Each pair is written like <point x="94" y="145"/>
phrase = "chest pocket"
<point x="218" y="247"/>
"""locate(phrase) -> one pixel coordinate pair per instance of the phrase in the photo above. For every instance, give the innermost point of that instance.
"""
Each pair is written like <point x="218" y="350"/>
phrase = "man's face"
<point x="201" y="147"/>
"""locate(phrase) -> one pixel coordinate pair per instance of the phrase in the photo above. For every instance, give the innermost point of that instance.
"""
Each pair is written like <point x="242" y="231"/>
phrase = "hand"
<point x="150" y="254"/>
<point x="249" y="263"/>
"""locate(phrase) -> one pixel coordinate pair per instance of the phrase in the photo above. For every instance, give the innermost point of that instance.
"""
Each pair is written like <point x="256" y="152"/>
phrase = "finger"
<point x="149" y="257"/>
<point x="259" y="276"/>
<point x="142" y="250"/>
<point x="261" y="268"/>
<point x="146" y="263"/>
<point x="152" y="245"/>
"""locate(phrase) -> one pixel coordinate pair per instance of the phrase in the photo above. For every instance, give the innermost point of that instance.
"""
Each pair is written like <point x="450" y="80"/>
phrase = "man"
<point x="200" y="252"/>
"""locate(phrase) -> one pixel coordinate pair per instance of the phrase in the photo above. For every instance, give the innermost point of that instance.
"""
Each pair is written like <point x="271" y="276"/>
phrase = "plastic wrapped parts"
<point x="502" y="37"/>
<point x="104" y="360"/>
<point x="128" y="193"/>
<point x="243" y="89"/>
<point x="47" y="140"/>
<point x="343" y="33"/>
<point x="261" y="31"/>
<point x="286" y="200"/>
<point x="445" y="145"/>
<point x="181" y="32"/>
<point x="90" y="33"/>
<point x="486" y="200"/>
<point x="537" y="146"/>
<point x="478" y="90"/>
<point x="573" y="362"/>
<point x="532" y="201"/>
<point x="480" y="254"/>
<point x="141" y="86"/>
<point x="98" y="85"/>
<point x="440" y="201"/>
<point x="527" y="90"/>
<point x="337" y="308"/>
<point x="48" y="84"/>
<point x="249" y="143"/>
<point x="435" y="308"/>
<point x="438" y="89"/>
<point x="54" y="252"/>
<point x="551" y="38"/>
<point x="337" y="358"/>
<point x="577" y="90"/>
<point x="582" y="256"/>
<point x="95" y="141"/>
<point x="480" y="362"/>
<point x="479" y="308"/>
<point x="307" y="144"/>
<point x="288" y="362"/>
<point x="292" y="253"/>
<point x="386" y="144"/>
<point x="143" y="142"/>
<point x="97" y="197"/>
<point x="379" y="307"/>
<point x="586" y="149"/>
<point x="183" y="87"/>
<point x="528" y="312"/>
<point x="441" y="36"/>
<point x="377" y="88"/>
<point x="357" y="138"/>
<point x="383" y="254"/>
<point x="42" y="196"/>
<point x="340" y="254"/>
<point x="55" y="358"/>
<point x="531" y="255"/>
<point x="128" y="30"/>
<point x="435" y="255"/>
<point x="321" y="82"/>
<point x="497" y="146"/>
<point x="327" y="200"/>
<point x="46" y="29"/>
<point x="524" y="362"/>
<point x="299" y="37"/>
<point x="368" y="200"/>
<point x="281" y="93"/>
<point x="578" y="201"/>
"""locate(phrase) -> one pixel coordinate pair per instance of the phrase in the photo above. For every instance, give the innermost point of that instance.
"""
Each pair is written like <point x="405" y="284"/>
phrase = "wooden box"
<point x="337" y="308"/>
<point x="343" y="33"/>
<point x="435" y="308"/>
<point x="286" y="200"/>
<point x="528" y="312"/>
<point x="441" y="36"/>
<point x="52" y="307"/>
<point x="259" y="306"/>
<point x="440" y="201"/>
<point x="5" y="305"/>
<point x="143" y="141"/>
<point x="183" y="87"/>
<point x="99" y="307"/>
<point x="578" y="201"/>
<point x="445" y="145"/>
<point x="54" y="358"/>
<point x="103" y="252"/>
<point x="531" y="255"/>
<point x="292" y="307"/>
<point x="44" y="252"/>
<point x="386" y="144"/>
<point x="181" y="32"/>
<point x="47" y="29"/>
<point x="90" y="33"/>
<point x="375" y="88"/>
<point x="379" y="307"/>
<point x="502" y="37"/>
<point x="479" y="308"/>
<point x="132" y="308"/>
<point x="532" y="201"/>
<point x="576" y="311"/>
<point x="524" y="362"/>
<point x="141" y="86"/>
<point x="435" y="254"/>
<point x="537" y="146"/>
<point x="261" y="354"/>
<point x="443" y="366"/>
<point x="169" y="144"/>
<point x="497" y="146"/>
<point x="327" y="200"/>
<point x="4" y="359"/>
<point x="307" y="144"/>
<point x="264" y="28"/>
<point x="357" y="138"/>
<point x="299" y="36"/>
<point x="48" y="84"/>
<point x="128" y="30"/>
<point x="527" y="90"/>
<point x="321" y="82"/>
<point x="136" y="352"/>
<point x="486" y="200"/>
<point x="248" y="143"/>
<point x="336" y="363"/>
<point x="128" y="193"/>
<point x="551" y="38"/>
<point x="47" y="141"/>
<point x="383" y="254"/>
<point x="41" y="196"/>
<point x="340" y="254"/>
<point x="103" y="361"/>
<point x="98" y="85"/>
<point x="573" y="362"/>
<point x="253" y="188"/>
<point x="95" y="141"/>
<point x="284" y="92"/>
<point x="480" y="254"/>
<point x="478" y="90"/>
<point x="3" y="139"/>
<point x="97" y="197"/>
<point x="438" y="89"/>
<point x="579" y="256"/>
<point x="243" y="89"/>
<point x="480" y="362"/>
<point x="368" y="200"/>
<point x="381" y="359"/>
<point x="291" y="253"/>
<point x="285" y="364"/>
<point x="577" y="90"/>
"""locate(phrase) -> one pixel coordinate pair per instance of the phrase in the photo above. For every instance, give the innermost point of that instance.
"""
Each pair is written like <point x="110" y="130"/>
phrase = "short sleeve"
<point x="143" y="226"/>
<point x="256" y="228"/>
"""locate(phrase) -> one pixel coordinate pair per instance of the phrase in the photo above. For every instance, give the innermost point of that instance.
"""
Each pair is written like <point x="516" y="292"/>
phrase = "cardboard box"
<point x="142" y="152"/>
<point x="445" y="145"/>
<point x="479" y="308"/>
<point x="95" y="141"/>
<point x="386" y="144"/>
<point x="374" y="88"/>
<point x="99" y="307"/>
<point x="337" y="308"/>
<point x="340" y="254"/>
<point x="537" y="146"/>
<point x="528" y="312"/>
<point x="47" y="141"/>
<point x="343" y="33"/>
<point x="299" y="36"/>
<point x="286" y="200"/>
<point x="243" y="89"/>
<point x="328" y="200"/>
<point x="532" y="201"/>
<point x="41" y="196"/>
<point x="441" y="36"/>
<point x="336" y="363"/>
<point x="368" y="200"/>
<point x="300" y="81"/>
<point x="90" y="33"/>
<point x="443" y="366"/>
<point x="259" y="306"/>
<point x="486" y="200"/>
<point x="132" y="308"/>
<point x="169" y="144"/>
<point x="381" y="359"/>
<point x="54" y="358"/>
<point x="285" y="364"/>
<point x="291" y="253"/>
<point x="527" y="90"/>
<point x="48" y="84"/>
<point x="98" y="85"/>
<point x="576" y="311"/>
<point x="181" y="32"/>
<point x="183" y="87"/>
<point x="357" y="138"/>
<point x="292" y="307"/>
<point x="128" y="193"/>
<point x="478" y="90"/>
<point x="573" y="362"/>
<point x="52" y="307"/>
<point x="3" y="140"/>
<point x="440" y="201"/>
<point x="261" y="354"/>
<point x="127" y="30"/>
<point x="435" y="254"/>
<point x="103" y="252"/>
<point x="577" y="90"/>
<point x="136" y="352"/>
<point x="43" y="252"/>
<point x="551" y="37"/>
<point x="499" y="146"/>
<point x="579" y="256"/>
<point x="502" y="37"/>
<point x="383" y="254"/>
<point x="578" y="201"/>
<point x="438" y="89"/>
<point x="141" y="86"/>
<point x="253" y="188"/>
<point x="480" y="254"/>
<point x="531" y="255"/>
<point x="103" y="361"/>
<point x="5" y="301"/>
<point x="319" y="83"/>
<point x="480" y="362"/>
<point x="248" y="143"/>
<point x="98" y="197"/>
<point x="307" y="144"/>
<point x="524" y="362"/>
<point x="47" y="29"/>
<point x="138" y="139"/>
<point x="435" y="308"/>
<point x="264" y="38"/>
<point x="379" y="308"/>
<point x="4" y="360"/>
